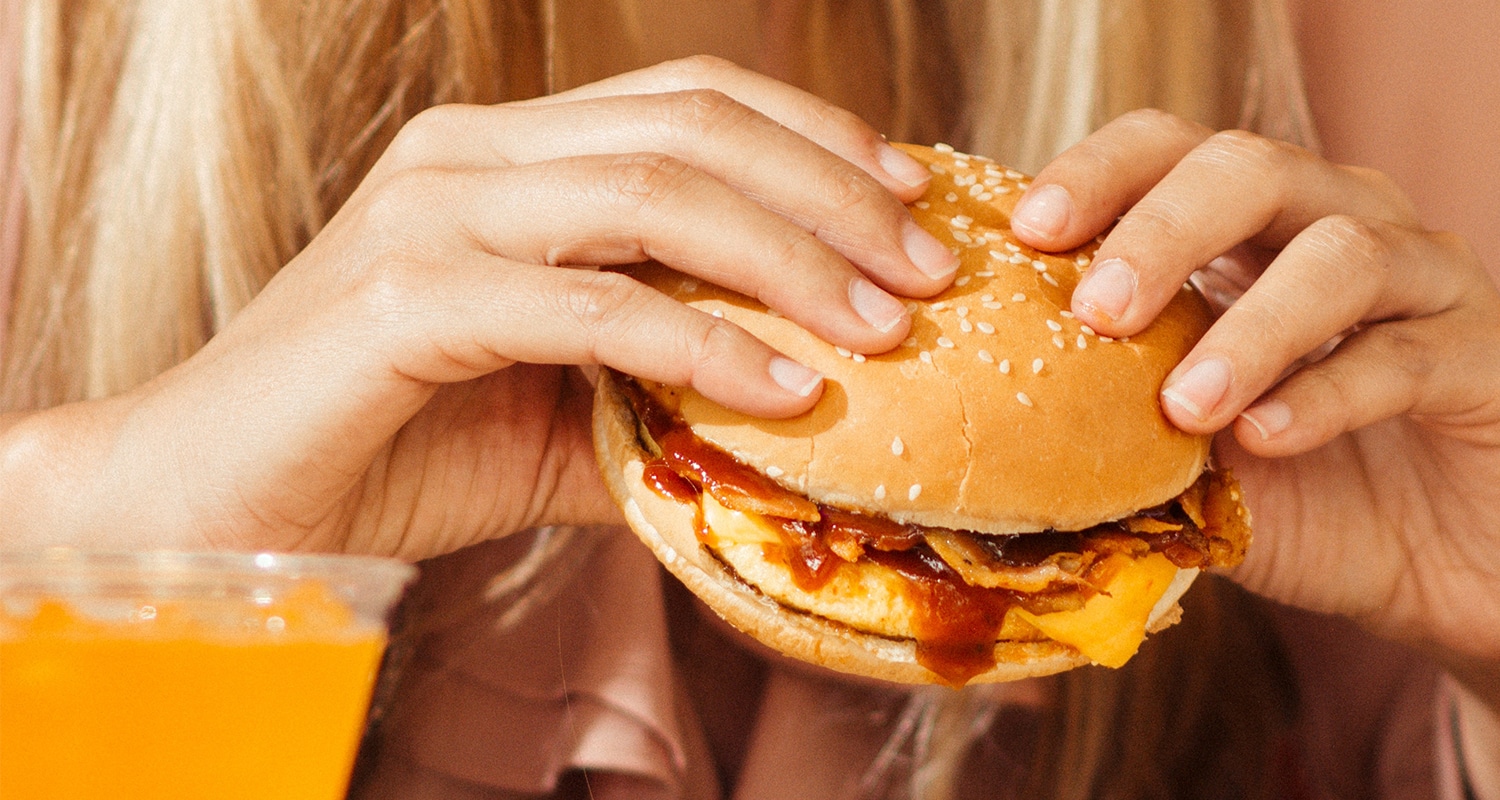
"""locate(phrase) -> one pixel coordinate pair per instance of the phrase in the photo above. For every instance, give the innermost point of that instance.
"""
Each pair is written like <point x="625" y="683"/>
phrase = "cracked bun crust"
<point x="1000" y="414"/>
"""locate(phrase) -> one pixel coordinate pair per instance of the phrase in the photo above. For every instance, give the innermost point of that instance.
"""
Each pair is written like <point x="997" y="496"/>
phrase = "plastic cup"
<point x="187" y="675"/>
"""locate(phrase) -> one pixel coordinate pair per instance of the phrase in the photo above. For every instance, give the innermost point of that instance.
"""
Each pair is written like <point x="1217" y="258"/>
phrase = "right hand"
<point x="390" y="391"/>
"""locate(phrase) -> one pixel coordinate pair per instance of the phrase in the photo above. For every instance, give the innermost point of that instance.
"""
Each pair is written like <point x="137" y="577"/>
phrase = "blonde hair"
<point x="175" y="155"/>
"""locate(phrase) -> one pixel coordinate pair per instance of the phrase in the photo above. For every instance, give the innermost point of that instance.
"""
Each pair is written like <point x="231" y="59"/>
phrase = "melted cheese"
<point x="1111" y="625"/>
<point x="1108" y="629"/>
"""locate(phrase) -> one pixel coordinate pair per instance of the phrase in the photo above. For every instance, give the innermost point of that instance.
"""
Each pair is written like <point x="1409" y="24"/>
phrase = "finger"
<point x="836" y="129"/>
<point x="485" y="313"/>
<point x="1413" y="366"/>
<point x="1085" y="189"/>
<point x="1186" y="197"/>
<point x="782" y="170"/>
<point x="601" y="210"/>
<point x="1339" y="273"/>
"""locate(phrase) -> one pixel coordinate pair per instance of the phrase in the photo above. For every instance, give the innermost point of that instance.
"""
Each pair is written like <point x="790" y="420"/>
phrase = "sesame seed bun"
<point x="1000" y="414"/>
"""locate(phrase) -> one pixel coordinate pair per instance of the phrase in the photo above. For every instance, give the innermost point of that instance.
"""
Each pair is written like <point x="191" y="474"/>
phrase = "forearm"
<point x="60" y="484"/>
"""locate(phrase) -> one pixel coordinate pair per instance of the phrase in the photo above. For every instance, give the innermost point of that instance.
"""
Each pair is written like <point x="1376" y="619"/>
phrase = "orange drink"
<point x="187" y="676"/>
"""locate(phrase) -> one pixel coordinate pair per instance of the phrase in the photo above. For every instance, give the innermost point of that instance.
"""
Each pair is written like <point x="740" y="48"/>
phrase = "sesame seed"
<point x="922" y="204"/>
<point x="1002" y="190"/>
<point x="944" y="341"/>
<point x="880" y="492"/>
<point x="985" y="197"/>
<point x="1105" y="339"/>
<point x="1082" y="342"/>
<point x="984" y="355"/>
<point x="1047" y="276"/>
<point x="897" y="446"/>
<point x="964" y="180"/>
<point x="1023" y="186"/>
<point x="1039" y="265"/>
<point x="716" y="312"/>
<point x="965" y="326"/>
<point x="1018" y="259"/>
<point x="843" y="351"/>
<point x="961" y="164"/>
<point x="986" y="297"/>
<point x="1013" y="175"/>
<point x="993" y="306"/>
<point x="774" y="472"/>
<point x="940" y="305"/>
<point x="911" y="341"/>
<point x="1058" y="340"/>
<point x="1005" y="366"/>
<point x="1081" y="261"/>
<point x="951" y="197"/>
<point x="911" y="307"/>
<point x="991" y="181"/>
<point x="1054" y="325"/>
<point x="985" y="327"/>
<point x="1013" y="247"/>
<point x="958" y="222"/>
<point x="1023" y="399"/>
<point x="1086" y="329"/>
<point x="984" y="274"/>
<point x="1065" y="314"/>
<point x="1018" y="298"/>
<point x="963" y="219"/>
<point x="1036" y="365"/>
<point x="1124" y="338"/>
<point x="859" y="358"/>
<point x="942" y="147"/>
<point x="689" y="286"/>
<point x="962" y="311"/>
<point x="962" y="237"/>
<point x="996" y="255"/>
<point x="937" y="169"/>
<point x="964" y="281"/>
<point x="925" y="356"/>
<point x="914" y="491"/>
<point x="975" y="190"/>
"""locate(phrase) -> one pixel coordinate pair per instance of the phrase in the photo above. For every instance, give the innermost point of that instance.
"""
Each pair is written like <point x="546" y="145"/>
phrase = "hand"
<point x="388" y="391"/>
<point x="1373" y="473"/>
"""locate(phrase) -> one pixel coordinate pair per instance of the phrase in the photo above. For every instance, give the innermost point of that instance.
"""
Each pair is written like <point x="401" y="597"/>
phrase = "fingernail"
<point x="927" y="253"/>
<point x="901" y="166"/>
<point x="881" y="310"/>
<point x="796" y="378"/>
<point x="1107" y="290"/>
<point x="1044" y="212"/>
<point x="1199" y="390"/>
<point x="1269" y="418"/>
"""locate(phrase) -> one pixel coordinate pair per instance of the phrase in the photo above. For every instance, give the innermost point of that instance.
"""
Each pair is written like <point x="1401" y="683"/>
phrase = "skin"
<point x="1371" y="467"/>
<point x="398" y="388"/>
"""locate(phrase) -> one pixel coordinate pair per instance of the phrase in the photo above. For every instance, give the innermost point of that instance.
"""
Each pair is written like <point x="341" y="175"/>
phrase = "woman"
<point x="381" y="393"/>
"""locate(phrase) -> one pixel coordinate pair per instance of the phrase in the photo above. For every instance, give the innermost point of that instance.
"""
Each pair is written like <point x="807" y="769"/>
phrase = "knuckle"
<point x="847" y="188"/>
<point x="1162" y="217"/>
<point x="713" y="344"/>
<point x="601" y="300"/>
<point x="699" y="113"/>
<point x="402" y="197"/>
<point x="1358" y="244"/>
<point x="1246" y="150"/>
<point x="698" y="70"/>
<point x="1156" y="122"/>
<point x="646" y="180"/>
<point x="424" y="136"/>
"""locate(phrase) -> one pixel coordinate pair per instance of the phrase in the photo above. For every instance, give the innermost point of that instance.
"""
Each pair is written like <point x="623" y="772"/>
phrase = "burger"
<point x="998" y="497"/>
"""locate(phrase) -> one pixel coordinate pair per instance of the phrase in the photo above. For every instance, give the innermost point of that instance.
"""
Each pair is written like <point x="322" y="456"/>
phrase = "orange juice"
<point x="207" y="698"/>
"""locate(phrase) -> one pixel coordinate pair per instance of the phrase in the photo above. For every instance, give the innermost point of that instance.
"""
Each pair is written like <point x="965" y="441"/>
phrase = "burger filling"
<point x="957" y="592"/>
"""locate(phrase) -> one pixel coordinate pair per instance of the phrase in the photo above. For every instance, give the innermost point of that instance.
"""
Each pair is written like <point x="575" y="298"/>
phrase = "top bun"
<point x="1001" y="413"/>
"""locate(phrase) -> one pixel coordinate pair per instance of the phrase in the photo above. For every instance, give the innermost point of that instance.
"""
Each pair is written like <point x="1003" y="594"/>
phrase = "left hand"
<point x="1373" y="473"/>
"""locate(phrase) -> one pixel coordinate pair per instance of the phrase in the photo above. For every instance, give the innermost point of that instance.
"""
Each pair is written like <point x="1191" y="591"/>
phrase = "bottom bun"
<point x="669" y="528"/>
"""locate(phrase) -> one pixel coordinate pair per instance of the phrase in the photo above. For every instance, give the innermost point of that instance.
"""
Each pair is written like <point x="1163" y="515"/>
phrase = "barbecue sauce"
<point x="958" y="623"/>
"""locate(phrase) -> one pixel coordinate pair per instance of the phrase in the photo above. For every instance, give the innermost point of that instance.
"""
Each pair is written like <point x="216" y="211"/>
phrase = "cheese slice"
<point x="736" y="527"/>
<point x="1108" y="629"/>
<point x="1111" y="625"/>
